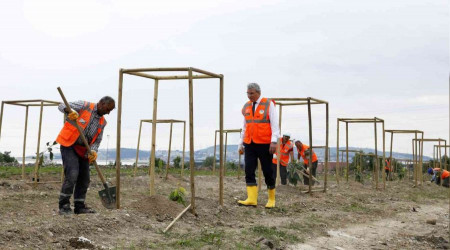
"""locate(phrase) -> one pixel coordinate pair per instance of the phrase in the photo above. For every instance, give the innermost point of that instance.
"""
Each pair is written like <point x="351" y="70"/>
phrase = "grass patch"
<point x="205" y="238"/>
<point x="355" y="207"/>
<point x="274" y="234"/>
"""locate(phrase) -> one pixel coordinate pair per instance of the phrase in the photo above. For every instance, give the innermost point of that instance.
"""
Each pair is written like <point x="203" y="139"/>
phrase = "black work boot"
<point x="81" y="208"/>
<point x="65" y="209"/>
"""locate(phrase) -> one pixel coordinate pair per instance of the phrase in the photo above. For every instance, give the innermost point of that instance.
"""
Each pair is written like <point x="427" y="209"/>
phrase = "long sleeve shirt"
<point x="273" y="117"/>
<point x="91" y="128"/>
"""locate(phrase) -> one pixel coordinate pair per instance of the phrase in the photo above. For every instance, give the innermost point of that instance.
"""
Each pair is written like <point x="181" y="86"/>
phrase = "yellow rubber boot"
<point x="271" y="201"/>
<point x="252" y="197"/>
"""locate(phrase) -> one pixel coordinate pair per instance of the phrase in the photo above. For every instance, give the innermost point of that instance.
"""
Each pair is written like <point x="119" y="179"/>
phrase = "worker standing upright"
<point x="259" y="141"/>
<point x="286" y="155"/>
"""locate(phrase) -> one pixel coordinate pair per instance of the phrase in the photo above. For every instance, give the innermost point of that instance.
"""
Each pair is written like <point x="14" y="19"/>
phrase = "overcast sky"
<point x="382" y="58"/>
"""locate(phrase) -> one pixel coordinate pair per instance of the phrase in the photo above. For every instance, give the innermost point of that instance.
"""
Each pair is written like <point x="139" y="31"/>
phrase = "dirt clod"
<point x="81" y="243"/>
<point x="431" y="222"/>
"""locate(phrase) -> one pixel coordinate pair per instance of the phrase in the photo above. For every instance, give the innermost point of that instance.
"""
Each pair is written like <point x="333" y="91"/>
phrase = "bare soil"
<point x="348" y="216"/>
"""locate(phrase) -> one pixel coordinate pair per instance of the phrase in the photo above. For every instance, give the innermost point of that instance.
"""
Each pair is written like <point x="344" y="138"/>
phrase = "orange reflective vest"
<point x="387" y="166"/>
<point x="257" y="126"/>
<point x="69" y="133"/>
<point x="302" y="153"/>
<point x="445" y="174"/>
<point x="285" y="150"/>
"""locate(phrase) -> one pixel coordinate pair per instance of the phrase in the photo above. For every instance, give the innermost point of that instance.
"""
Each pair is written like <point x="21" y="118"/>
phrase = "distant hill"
<point x="232" y="154"/>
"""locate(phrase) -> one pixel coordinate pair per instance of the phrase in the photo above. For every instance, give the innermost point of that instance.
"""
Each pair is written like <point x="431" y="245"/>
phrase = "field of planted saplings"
<point x="349" y="215"/>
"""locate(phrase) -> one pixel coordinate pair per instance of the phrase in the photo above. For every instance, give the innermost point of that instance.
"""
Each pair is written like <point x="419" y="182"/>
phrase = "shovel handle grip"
<point x="86" y="144"/>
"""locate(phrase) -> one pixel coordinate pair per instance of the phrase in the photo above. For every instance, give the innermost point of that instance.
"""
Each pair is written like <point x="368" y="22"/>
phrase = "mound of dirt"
<point x="158" y="206"/>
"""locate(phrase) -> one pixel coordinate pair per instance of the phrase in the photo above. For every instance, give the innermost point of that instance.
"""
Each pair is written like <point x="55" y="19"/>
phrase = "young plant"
<point x="292" y="174"/>
<point x="178" y="195"/>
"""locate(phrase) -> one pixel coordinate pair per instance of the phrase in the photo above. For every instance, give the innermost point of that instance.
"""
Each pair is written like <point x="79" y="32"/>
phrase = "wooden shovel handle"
<point x="86" y="144"/>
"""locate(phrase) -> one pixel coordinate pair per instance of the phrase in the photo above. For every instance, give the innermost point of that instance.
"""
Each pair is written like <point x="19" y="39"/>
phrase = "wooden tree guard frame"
<point x="421" y="141"/>
<point x="143" y="72"/>
<point x="367" y="154"/>
<point x="30" y="103"/>
<point x="405" y="131"/>
<point x="281" y="102"/>
<point x="437" y="154"/>
<point x="171" y="121"/>
<point x="374" y="120"/>
<point x="226" y="131"/>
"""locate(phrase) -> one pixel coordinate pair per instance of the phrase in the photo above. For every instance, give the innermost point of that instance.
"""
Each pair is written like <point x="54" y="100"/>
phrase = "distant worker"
<point x="259" y="141"/>
<point x="303" y="151"/>
<point x="90" y="117"/>
<point x="286" y="155"/>
<point x="388" y="169"/>
<point x="437" y="176"/>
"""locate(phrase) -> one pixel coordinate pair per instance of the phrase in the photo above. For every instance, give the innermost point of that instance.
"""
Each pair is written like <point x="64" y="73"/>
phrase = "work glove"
<point x="92" y="156"/>
<point x="73" y="115"/>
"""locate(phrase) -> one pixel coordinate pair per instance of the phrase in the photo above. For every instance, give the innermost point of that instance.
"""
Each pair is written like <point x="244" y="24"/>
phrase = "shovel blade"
<point x="108" y="197"/>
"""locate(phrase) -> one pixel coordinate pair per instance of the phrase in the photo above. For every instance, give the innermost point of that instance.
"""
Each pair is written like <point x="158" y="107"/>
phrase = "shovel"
<point x="108" y="195"/>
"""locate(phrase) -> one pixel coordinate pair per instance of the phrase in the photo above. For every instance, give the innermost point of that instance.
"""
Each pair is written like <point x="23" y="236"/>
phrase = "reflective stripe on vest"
<point x="257" y="124"/>
<point x="302" y="153"/>
<point x="284" y="152"/>
<point x="69" y="133"/>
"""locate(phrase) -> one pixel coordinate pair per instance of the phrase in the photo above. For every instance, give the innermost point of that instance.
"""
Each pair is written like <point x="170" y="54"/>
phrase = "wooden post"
<point x="176" y="218"/>
<point x="416" y="166"/>
<point x="226" y="145"/>
<point x="1" y="118"/>
<point x="445" y="154"/>
<point x="278" y="179"/>
<point x="36" y="168"/>
<point x="153" y="152"/>
<point x="440" y="162"/>
<point x="384" y="153"/>
<point x="421" y="162"/>
<point x="184" y="148"/>
<point x="137" y="150"/>
<point x="215" y="146"/>
<point x="119" y="126"/>
<point x="24" y="142"/>
<point x="168" y="154"/>
<point x="376" y="157"/>
<point x="346" y="150"/>
<point x="239" y="166"/>
<point x="191" y="139"/>
<point x="337" y="153"/>
<point x="310" y="147"/>
<point x="222" y="166"/>
<point x="327" y="150"/>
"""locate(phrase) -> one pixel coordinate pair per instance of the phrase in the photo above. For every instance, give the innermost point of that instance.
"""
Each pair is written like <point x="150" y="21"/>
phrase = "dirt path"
<point x="408" y="230"/>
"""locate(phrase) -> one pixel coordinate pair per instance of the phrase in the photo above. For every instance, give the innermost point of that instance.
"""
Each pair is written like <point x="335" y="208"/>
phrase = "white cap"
<point x="287" y="134"/>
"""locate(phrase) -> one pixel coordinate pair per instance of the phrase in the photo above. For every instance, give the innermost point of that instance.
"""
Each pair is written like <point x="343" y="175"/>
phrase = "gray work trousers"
<point x="76" y="176"/>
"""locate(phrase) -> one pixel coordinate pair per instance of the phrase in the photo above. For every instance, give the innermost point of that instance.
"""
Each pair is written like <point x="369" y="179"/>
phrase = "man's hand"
<point x="73" y="115"/>
<point x="273" y="148"/>
<point x="92" y="156"/>
<point x="241" y="150"/>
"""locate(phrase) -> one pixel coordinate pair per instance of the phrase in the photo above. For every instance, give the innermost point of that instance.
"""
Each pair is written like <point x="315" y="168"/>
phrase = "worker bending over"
<point x="304" y="151"/>
<point x="286" y="155"/>
<point x="90" y="117"/>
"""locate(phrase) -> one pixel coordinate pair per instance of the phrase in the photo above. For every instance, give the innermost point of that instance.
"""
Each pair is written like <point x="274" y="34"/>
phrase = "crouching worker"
<point x="304" y="151"/>
<point x="90" y="117"/>
<point x="259" y="141"/>
<point x="286" y="155"/>
<point x="438" y="176"/>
